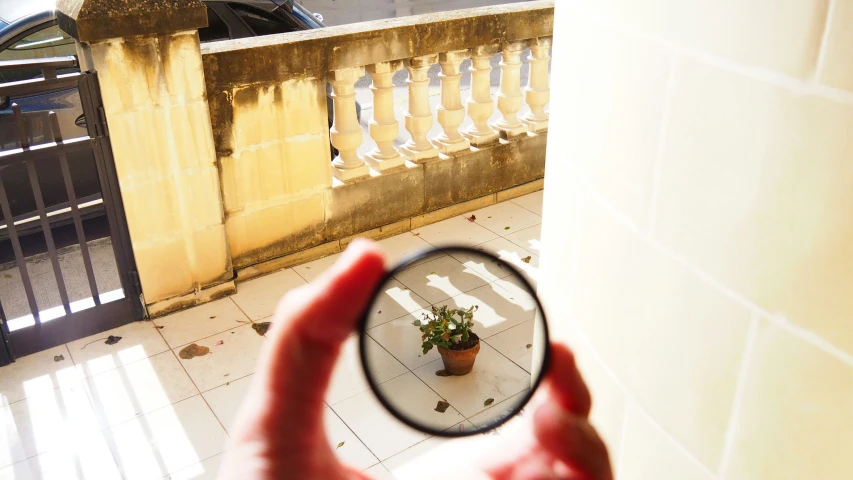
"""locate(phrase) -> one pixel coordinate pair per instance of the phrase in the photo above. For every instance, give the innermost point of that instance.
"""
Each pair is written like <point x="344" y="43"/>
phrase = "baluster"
<point x="419" y="116"/>
<point x="538" y="91"/>
<point x="451" y="113"/>
<point x="480" y="103"/>
<point x="346" y="132"/>
<point x="509" y="96"/>
<point x="384" y="127"/>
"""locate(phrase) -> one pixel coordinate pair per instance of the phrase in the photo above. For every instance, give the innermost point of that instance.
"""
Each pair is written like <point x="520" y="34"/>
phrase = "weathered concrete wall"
<point x="155" y="101"/>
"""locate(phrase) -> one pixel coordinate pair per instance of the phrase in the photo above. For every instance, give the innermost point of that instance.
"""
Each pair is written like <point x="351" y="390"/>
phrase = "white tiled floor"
<point x="137" y="410"/>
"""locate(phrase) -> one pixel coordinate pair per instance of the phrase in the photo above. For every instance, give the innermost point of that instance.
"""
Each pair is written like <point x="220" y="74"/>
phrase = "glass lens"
<point x="455" y="340"/>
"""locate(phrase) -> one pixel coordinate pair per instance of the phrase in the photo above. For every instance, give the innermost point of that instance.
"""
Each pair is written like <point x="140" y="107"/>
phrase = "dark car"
<point x="28" y="30"/>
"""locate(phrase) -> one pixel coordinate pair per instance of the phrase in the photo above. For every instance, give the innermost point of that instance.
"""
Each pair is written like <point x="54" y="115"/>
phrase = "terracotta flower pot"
<point x="459" y="362"/>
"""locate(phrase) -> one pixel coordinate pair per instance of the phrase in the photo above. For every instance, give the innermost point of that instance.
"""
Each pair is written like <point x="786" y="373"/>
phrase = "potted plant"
<point x="450" y="331"/>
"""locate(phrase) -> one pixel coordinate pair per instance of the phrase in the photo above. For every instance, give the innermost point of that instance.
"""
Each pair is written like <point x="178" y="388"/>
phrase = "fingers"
<point x="565" y="382"/>
<point x="309" y="326"/>
<point x="572" y="440"/>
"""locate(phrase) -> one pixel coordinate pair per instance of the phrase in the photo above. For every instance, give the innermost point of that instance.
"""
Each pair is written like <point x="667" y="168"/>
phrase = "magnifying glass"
<point x="469" y="329"/>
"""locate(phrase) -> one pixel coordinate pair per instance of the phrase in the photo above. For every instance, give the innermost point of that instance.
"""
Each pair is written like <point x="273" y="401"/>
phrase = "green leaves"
<point x="417" y="323"/>
<point x="445" y="327"/>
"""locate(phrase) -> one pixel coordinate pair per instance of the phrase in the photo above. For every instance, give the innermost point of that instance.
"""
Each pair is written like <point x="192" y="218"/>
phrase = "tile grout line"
<point x="663" y="128"/>
<point x="799" y="332"/>
<point x="743" y="376"/>
<point x="627" y="392"/>
<point x="352" y="431"/>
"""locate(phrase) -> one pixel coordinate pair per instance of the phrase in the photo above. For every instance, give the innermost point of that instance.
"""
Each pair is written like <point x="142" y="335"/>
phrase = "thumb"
<point x="308" y="329"/>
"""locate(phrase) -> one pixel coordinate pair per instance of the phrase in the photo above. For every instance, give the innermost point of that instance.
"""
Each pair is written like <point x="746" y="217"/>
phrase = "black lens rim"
<point x="362" y="342"/>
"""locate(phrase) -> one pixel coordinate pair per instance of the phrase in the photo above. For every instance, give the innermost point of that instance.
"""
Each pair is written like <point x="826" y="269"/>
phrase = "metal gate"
<point x="70" y="271"/>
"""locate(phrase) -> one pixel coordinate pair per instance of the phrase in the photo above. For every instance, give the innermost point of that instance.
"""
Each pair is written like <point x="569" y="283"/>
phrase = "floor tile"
<point x="139" y="340"/>
<point x="36" y="373"/>
<point x="348" y="448"/>
<point x="383" y="434"/>
<point x="528" y="238"/>
<point x="396" y="301"/>
<point x="167" y="440"/>
<point x="403" y="340"/>
<point x="499" y="411"/>
<point x="493" y="377"/>
<point x="440" y="279"/>
<point x="348" y="376"/>
<point x="141" y="387"/>
<point x="258" y="297"/>
<point x="491" y="269"/>
<point x="204" y="470"/>
<point x="418" y="461"/>
<point x="506" y="217"/>
<point x="498" y="308"/>
<point x="236" y="357"/>
<point x="46" y="422"/>
<point x="399" y="246"/>
<point x="199" y="322"/>
<point x="531" y="201"/>
<point x="455" y="231"/>
<point x="378" y="472"/>
<point x="225" y="400"/>
<point x="515" y="343"/>
<point x="87" y="458"/>
<point x="313" y="269"/>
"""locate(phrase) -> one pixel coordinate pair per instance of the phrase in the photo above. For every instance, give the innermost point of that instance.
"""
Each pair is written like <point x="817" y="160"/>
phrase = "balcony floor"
<point x="137" y="410"/>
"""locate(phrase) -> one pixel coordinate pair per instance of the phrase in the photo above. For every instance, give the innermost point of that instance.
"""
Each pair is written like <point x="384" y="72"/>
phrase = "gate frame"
<point x="100" y="317"/>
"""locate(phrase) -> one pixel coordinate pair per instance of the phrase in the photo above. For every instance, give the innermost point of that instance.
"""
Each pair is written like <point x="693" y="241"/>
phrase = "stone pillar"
<point x="154" y="97"/>
<point x="538" y="92"/>
<point x="419" y="116"/>
<point x="510" y="97"/>
<point x="480" y="103"/>
<point x="451" y="113"/>
<point x="384" y="127"/>
<point x="346" y="132"/>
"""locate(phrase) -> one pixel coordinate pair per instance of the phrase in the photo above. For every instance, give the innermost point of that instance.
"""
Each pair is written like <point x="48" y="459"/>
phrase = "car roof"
<point x="11" y="10"/>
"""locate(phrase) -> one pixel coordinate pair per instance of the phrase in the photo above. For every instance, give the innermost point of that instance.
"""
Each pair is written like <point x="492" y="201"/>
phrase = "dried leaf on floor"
<point x="379" y="312"/>
<point x="58" y="358"/>
<point x="529" y="345"/>
<point x="506" y="228"/>
<point x="112" y="340"/>
<point x="261" y="328"/>
<point x="7" y="275"/>
<point x="527" y="259"/>
<point x="441" y="406"/>
<point x="212" y="317"/>
<point x="340" y="445"/>
<point x="159" y="327"/>
<point x="416" y="234"/>
<point x="191" y="351"/>
<point x="472" y="218"/>
<point x="219" y="343"/>
<point x="226" y="374"/>
<point x="488" y="402"/>
<point x="442" y="373"/>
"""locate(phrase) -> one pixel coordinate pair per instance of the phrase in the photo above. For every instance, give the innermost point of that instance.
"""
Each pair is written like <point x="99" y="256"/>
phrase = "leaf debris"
<point x="488" y="402"/>
<point x="472" y="218"/>
<point x="192" y="351"/>
<point x="112" y="340"/>
<point x="529" y="345"/>
<point x="261" y="328"/>
<point x="58" y="358"/>
<point x="340" y="445"/>
<point x="527" y="259"/>
<point x="506" y="228"/>
<point x="441" y="406"/>
<point x="442" y="373"/>
<point x="219" y="343"/>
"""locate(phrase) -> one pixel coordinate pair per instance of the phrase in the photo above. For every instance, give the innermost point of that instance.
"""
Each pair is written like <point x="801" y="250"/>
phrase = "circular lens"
<point x="455" y="340"/>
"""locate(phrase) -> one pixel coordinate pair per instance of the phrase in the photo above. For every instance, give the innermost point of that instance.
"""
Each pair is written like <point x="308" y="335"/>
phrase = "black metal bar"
<point x="122" y="247"/>
<point x="71" y="327"/>
<point x="21" y="124"/>
<point x="75" y="212"/>
<point x="44" y="151"/>
<point x="48" y="236"/>
<point x="39" y="85"/>
<point x="19" y="254"/>
<point x="7" y="355"/>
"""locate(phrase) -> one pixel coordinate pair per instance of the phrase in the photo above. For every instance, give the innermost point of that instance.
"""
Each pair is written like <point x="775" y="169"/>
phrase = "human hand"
<point x="279" y="429"/>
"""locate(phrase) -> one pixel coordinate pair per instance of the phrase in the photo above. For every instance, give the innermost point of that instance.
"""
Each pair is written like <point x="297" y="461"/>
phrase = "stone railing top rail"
<point x="313" y="53"/>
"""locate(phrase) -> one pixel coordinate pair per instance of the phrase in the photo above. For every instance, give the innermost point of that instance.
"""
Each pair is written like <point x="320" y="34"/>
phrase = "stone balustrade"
<point x="282" y="189"/>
